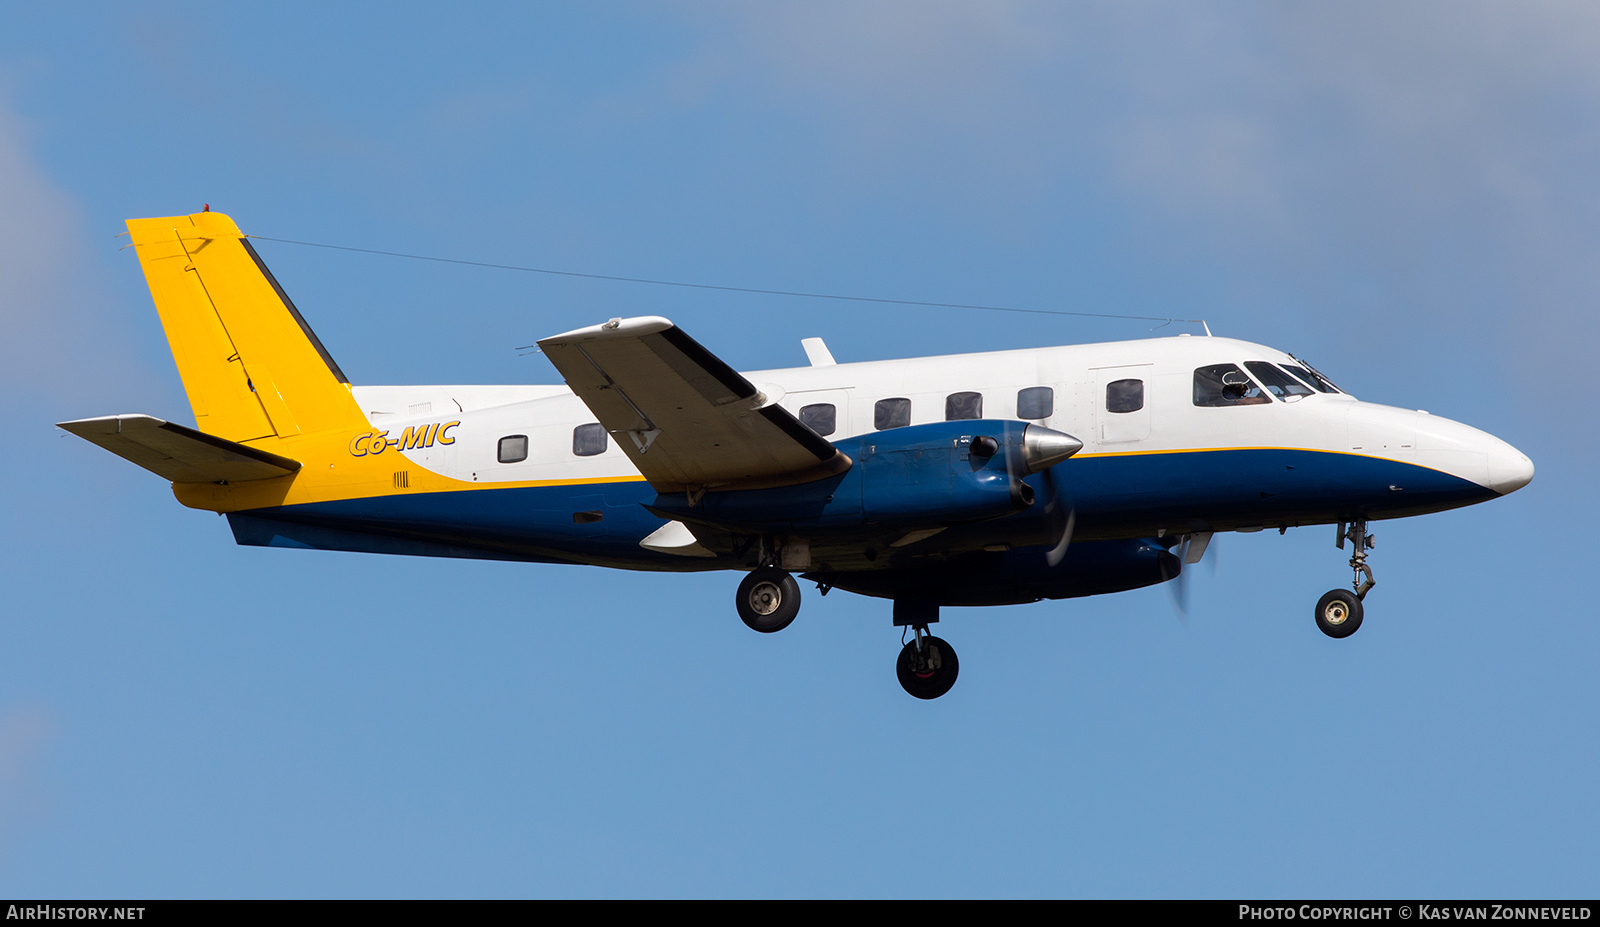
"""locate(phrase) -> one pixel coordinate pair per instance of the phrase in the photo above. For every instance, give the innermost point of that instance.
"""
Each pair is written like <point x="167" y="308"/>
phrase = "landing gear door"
<point x="1121" y="409"/>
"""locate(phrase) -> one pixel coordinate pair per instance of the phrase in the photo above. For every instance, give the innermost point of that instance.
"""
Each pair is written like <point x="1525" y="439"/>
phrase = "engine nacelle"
<point x="1017" y="576"/>
<point x="920" y="476"/>
<point x="943" y="473"/>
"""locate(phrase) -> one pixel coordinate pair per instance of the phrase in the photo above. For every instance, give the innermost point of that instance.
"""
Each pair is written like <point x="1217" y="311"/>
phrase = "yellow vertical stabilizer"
<point x="252" y="367"/>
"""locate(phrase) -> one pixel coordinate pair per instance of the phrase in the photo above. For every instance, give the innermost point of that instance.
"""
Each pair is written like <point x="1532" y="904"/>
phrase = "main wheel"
<point x="928" y="674"/>
<point x="1339" y="613"/>
<point x="768" y="599"/>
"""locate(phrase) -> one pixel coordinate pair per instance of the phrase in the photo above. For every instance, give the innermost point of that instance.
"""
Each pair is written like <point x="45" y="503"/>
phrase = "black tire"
<point x="768" y="599"/>
<point x="928" y="676"/>
<point x="1339" y="613"/>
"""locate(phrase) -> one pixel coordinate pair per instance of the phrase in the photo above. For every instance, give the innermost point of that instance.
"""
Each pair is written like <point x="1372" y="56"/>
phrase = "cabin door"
<point x="1122" y="414"/>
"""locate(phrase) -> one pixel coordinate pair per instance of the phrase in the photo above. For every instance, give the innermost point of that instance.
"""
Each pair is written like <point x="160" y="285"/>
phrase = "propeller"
<point x="1043" y="448"/>
<point x="1189" y="551"/>
<point x="1063" y="518"/>
<point x="1179" y="585"/>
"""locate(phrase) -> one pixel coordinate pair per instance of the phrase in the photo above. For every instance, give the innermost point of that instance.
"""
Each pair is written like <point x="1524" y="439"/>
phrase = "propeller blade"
<point x="1063" y="518"/>
<point x="1180" y="583"/>
<point x="1056" y="554"/>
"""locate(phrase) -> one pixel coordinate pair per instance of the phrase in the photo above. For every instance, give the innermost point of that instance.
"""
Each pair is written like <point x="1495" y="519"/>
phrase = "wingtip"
<point x="615" y="328"/>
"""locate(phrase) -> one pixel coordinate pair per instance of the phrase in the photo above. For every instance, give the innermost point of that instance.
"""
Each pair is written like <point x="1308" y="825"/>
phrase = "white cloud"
<point x="25" y="734"/>
<point x="1438" y="156"/>
<point x="36" y="248"/>
<point x="59" y="346"/>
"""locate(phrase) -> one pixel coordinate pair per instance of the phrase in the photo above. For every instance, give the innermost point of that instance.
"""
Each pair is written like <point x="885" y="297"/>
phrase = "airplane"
<point x="966" y="480"/>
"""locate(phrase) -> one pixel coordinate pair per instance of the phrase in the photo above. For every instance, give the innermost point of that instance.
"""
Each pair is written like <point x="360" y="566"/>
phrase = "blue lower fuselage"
<point x="1121" y="498"/>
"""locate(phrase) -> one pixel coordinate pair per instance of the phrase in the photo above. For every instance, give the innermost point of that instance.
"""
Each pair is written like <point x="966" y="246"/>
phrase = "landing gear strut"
<point x="927" y="666"/>
<point x="1339" y="612"/>
<point x="768" y="599"/>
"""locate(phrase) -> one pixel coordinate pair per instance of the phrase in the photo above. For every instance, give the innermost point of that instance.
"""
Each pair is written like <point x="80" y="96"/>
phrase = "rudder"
<point x="252" y="367"/>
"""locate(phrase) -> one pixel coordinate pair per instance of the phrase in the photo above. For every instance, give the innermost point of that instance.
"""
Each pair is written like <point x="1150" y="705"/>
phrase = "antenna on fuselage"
<point x="1206" y="327"/>
<point x="731" y="289"/>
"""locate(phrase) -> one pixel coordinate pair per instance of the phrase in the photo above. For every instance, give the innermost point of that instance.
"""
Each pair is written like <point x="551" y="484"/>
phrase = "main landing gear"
<point x="1339" y="612"/>
<point x="927" y="666"/>
<point x="768" y="599"/>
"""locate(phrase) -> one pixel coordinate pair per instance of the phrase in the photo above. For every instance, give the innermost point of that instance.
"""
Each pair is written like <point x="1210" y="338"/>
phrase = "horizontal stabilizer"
<point x="180" y="454"/>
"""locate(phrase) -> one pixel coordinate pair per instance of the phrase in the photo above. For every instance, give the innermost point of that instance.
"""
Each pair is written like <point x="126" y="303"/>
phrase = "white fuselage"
<point x="1168" y="421"/>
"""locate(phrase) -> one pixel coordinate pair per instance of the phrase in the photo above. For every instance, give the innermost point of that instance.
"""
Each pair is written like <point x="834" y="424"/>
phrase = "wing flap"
<point x="685" y="418"/>
<point x="182" y="455"/>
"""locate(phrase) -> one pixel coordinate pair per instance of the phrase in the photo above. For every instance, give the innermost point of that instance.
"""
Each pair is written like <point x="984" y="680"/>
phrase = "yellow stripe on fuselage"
<point x="331" y="473"/>
<point x="1214" y="450"/>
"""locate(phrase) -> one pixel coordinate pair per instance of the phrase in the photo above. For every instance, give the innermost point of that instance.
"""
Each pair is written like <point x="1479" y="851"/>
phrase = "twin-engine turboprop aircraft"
<point x="972" y="479"/>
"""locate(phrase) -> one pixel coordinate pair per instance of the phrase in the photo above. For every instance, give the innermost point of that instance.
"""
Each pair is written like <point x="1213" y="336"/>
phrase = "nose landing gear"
<point x="1339" y="612"/>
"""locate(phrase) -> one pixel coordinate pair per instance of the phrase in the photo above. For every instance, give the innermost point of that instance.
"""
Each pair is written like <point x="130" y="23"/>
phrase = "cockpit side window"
<point x="1278" y="383"/>
<point x="1312" y="378"/>
<point x="1226" y="385"/>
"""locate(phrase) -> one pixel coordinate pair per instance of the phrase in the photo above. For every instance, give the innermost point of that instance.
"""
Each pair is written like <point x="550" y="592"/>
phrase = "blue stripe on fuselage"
<point x="1252" y="486"/>
<point x="1122" y="495"/>
<point x="533" y="523"/>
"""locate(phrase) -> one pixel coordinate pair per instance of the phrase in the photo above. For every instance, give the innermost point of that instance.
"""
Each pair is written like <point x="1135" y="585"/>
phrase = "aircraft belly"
<point x="1116" y="495"/>
<point x="1016" y="576"/>
<point x="596" y="523"/>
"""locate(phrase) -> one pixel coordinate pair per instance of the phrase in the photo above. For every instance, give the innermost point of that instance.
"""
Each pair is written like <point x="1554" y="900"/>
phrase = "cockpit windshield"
<point x="1278" y="383"/>
<point x="1226" y="385"/>
<point x="1312" y="377"/>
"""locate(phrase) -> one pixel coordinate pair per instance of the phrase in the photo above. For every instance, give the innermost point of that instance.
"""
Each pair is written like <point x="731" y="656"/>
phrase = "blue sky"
<point x="1403" y="194"/>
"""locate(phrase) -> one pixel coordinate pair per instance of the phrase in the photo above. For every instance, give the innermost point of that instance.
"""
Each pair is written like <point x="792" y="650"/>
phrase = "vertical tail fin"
<point x="252" y="367"/>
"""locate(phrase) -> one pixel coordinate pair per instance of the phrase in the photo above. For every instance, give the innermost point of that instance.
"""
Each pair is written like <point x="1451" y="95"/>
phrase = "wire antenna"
<point x="1165" y="320"/>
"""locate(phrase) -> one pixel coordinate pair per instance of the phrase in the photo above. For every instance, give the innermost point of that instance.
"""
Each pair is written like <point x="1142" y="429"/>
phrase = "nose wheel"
<point x="768" y="599"/>
<point x="927" y="666"/>
<point x="1339" y="611"/>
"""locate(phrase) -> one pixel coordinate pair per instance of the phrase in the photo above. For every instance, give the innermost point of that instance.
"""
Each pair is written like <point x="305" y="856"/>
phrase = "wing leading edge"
<point x="686" y="419"/>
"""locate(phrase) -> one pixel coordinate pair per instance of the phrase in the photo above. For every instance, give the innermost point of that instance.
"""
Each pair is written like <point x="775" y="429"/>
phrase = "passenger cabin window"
<point x="820" y="417"/>
<point x="513" y="449"/>
<point x="1278" y="383"/>
<point x="1036" y="402"/>
<point x="891" y="413"/>
<point x="1124" y="395"/>
<point x="1226" y="385"/>
<point x="1312" y="378"/>
<point x="961" y="406"/>
<point x="589" y="440"/>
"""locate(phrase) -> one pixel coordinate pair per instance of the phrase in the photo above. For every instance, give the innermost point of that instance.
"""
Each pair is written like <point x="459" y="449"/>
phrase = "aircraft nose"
<point x="1470" y="454"/>
<point x="1509" y="468"/>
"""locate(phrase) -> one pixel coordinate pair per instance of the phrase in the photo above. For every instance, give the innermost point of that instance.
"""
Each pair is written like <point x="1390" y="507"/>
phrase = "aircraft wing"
<point x="180" y="454"/>
<point x="687" y="420"/>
